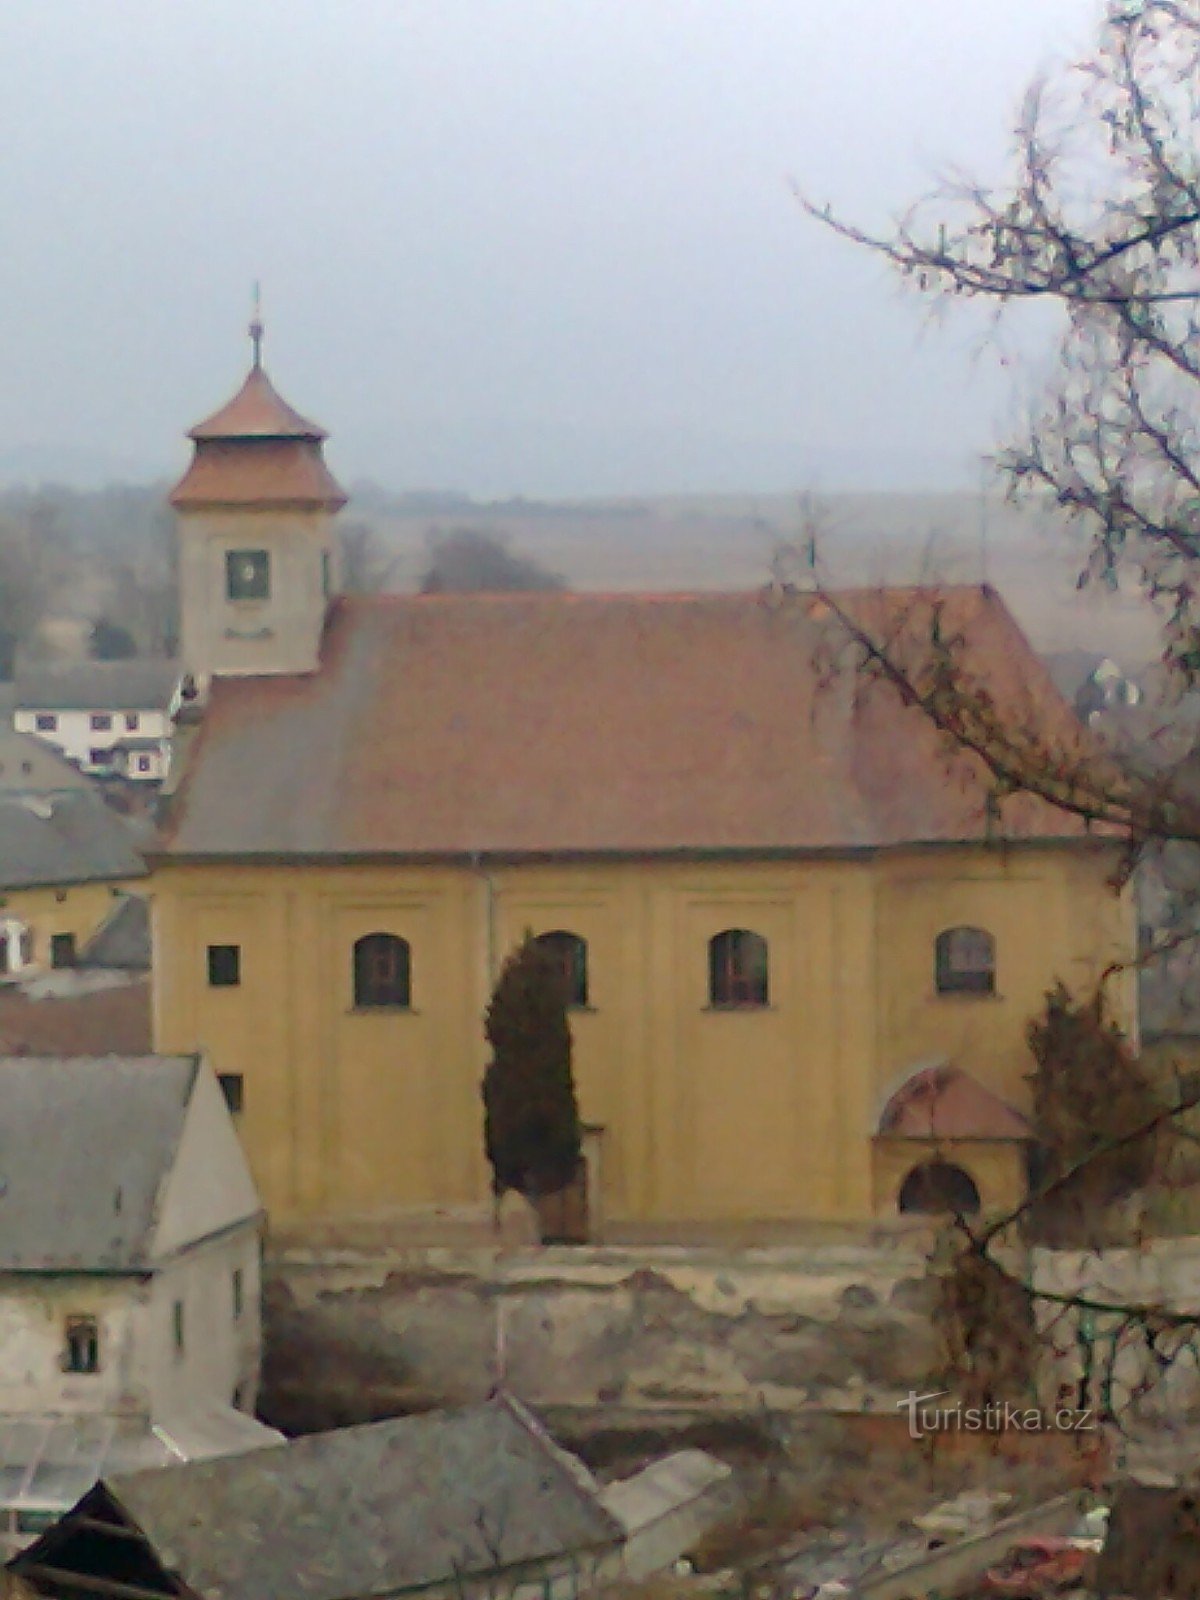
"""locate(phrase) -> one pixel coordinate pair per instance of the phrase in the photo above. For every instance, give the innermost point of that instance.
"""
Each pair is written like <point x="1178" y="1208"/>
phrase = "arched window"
<point x="570" y="952"/>
<point x="382" y="971"/>
<point x="737" y="969"/>
<point x="965" y="961"/>
<point x="936" y="1187"/>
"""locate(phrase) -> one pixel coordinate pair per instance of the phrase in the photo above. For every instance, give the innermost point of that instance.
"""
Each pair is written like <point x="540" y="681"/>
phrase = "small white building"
<point x="105" y="716"/>
<point x="130" y="1243"/>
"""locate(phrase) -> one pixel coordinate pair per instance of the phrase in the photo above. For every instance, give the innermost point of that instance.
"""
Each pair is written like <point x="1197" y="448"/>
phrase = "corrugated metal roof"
<point x="374" y="1510"/>
<point x="64" y="838"/>
<point x="141" y="685"/>
<point x="553" y="724"/>
<point x="85" y="1147"/>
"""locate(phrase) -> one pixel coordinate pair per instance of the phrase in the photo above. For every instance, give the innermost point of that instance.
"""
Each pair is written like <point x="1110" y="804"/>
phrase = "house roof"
<point x="29" y="765"/>
<point x="122" y="941"/>
<point x="69" y="1014"/>
<point x="86" y="1145"/>
<point x="541" y="724"/>
<point x="145" y="684"/>
<point x="943" y="1102"/>
<point x="257" y="411"/>
<point x="64" y="838"/>
<point x="373" y="1510"/>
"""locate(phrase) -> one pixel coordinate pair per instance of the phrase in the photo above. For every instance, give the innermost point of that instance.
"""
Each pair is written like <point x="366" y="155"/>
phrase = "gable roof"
<point x="29" y="765"/>
<point x="86" y="1146"/>
<point x="122" y="941"/>
<point x="145" y="684"/>
<point x="944" y="1102"/>
<point x="64" y="838"/>
<point x="542" y="724"/>
<point x="371" y="1510"/>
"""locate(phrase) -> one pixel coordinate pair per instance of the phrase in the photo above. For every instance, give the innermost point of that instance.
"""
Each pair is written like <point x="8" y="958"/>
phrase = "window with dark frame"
<point x="132" y="721"/>
<point x="101" y="721"/>
<point x="382" y="972"/>
<point x="247" y="574"/>
<point x="62" y="949"/>
<point x="965" y="961"/>
<point x="100" y="756"/>
<point x="570" y="952"/>
<point x="46" y="722"/>
<point x="738" y="970"/>
<point x="81" y="1346"/>
<point x="224" y="966"/>
<point x="233" y="1087"/>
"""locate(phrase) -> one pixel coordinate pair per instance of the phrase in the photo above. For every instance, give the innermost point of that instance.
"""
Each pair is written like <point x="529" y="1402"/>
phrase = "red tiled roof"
<point x="549" y="724"/>
<point x="257" y="411"/>
<point x="261" y="473"/>
<point x="943" y="1102"/>
<point x="113" y="1021"/>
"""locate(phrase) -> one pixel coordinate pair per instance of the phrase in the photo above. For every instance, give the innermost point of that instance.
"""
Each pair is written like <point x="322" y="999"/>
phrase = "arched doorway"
<point x="936" y="1187"/>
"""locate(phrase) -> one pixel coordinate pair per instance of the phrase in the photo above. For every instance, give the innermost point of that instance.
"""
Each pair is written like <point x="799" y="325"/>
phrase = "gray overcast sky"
<point x="506" y="245"/>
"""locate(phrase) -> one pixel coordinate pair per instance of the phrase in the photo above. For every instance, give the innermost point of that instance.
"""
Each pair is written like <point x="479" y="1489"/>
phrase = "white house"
<point x="130" y="1234"/>
<point x="105" y="716"/>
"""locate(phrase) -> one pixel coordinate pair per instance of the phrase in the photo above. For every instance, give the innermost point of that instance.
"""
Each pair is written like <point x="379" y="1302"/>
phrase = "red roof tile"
<point x="263" y="473"/>
<point x="943" y="1102"/>
<point x="574" y="724"/>
<point x="257" y="411"/>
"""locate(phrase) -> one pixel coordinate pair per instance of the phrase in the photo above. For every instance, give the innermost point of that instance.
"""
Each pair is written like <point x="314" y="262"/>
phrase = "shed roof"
<point x="542" y="724"/>
<point x="86" y="1145"/>
<point x="64" y="838"/>
<point x="374" y="1510"/>
<point x="145" y="684"/>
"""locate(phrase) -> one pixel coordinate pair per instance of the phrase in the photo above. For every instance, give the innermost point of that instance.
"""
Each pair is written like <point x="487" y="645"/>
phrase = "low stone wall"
<point x="835" y="1326"/>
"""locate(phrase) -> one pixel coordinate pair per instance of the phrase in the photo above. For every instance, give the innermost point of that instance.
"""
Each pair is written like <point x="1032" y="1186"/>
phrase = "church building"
<point x="803" y="936"/>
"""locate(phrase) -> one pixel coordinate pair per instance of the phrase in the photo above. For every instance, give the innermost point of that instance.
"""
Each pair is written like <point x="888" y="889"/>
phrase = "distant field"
<point x="726" y="542"/>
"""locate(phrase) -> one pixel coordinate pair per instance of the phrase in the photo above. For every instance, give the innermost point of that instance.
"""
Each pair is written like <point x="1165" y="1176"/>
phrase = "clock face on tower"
<point x="247" y="574"/>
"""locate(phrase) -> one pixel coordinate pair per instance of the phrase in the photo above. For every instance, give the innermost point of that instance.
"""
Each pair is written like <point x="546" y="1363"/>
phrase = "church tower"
<point x="257" y="549"/>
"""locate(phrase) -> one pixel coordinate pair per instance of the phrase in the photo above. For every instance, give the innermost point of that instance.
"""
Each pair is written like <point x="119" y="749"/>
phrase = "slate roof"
<point x="64" y="838"/>
<point x="29" y="764"/>
<point x="373" y="1510"/>
<point x="546" y="724"/>
<point x="122" y="941"/>
<point x="86" y="1145"/>
<point x="146" y="684"/>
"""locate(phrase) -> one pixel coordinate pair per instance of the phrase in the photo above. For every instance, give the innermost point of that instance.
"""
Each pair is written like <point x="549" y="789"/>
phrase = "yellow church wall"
<point x="77" y="909"/>
<point x="731" y="1115"/>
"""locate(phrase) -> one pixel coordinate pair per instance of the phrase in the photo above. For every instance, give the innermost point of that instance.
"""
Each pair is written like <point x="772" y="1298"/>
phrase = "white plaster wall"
<point x="222" y="1354"/>
<point x="76" y="737"/>
<point x="33" y="1314"/>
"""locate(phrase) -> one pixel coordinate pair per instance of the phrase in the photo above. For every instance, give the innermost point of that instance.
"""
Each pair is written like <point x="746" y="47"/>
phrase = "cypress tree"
<point x="531" y="1116"/>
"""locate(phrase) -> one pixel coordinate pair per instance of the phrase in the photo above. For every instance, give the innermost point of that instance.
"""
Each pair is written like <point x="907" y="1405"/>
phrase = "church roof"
<point x="257" y="411"/>
<point x="449" y="726"/>
<point x="274" y="472"/>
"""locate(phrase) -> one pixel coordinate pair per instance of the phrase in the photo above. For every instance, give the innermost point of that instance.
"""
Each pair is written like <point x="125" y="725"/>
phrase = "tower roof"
<point x="257" y="411"/>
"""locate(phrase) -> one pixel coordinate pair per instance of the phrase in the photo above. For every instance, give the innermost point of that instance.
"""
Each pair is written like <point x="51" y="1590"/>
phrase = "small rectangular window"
<point x="46" y="722"/>
<point x="62" y="949"/>
<point x="233" y="1087"/>
<point x="247" y="574"/>
<point x="81" y="1351"/>
<point x="143" y="763"/>
<point x="101" y="721"/>
<point x="99" y="756"/>
<point x="224" y="966"/>
<point x="177" y="1328"/>
<point x="239" y="1293"/>
<point x="132" y="721"/>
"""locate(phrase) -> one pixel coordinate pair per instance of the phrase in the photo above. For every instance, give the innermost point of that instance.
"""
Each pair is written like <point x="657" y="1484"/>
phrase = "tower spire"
<point x="256" y="325"/>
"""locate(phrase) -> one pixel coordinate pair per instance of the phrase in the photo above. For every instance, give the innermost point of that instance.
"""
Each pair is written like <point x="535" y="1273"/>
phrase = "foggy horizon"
<point x="536" y="251"/>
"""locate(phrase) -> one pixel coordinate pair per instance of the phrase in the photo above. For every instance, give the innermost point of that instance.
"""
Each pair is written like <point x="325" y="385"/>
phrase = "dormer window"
<point x="247" y="574"/>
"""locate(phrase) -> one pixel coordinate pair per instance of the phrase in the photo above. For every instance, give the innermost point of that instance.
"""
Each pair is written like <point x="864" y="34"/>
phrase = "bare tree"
<point x="1098" y="222"/>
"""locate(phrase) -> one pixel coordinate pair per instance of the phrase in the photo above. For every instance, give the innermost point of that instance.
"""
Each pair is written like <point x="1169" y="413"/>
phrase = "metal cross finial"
<point x="256" y="325"/>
